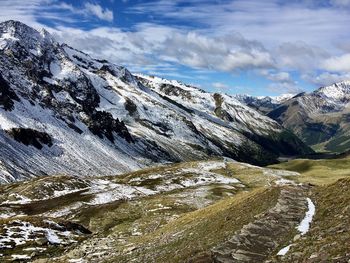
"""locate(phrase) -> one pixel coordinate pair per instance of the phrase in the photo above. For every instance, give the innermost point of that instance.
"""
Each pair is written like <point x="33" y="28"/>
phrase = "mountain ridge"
<point x="263" y="104"/>
<point x="320" y="117"/>
<point x="64" y="112"/>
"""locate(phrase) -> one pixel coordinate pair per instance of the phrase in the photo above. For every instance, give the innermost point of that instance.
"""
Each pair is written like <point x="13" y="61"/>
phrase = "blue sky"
<point x="235" y="46"/>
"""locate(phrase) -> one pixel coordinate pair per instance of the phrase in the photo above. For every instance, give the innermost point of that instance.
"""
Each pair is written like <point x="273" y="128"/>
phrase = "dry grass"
<point x="195" y="233"/>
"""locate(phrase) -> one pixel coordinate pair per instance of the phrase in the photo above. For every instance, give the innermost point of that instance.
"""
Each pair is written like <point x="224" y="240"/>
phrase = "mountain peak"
<point x="338" y="91"/>
<point x="14" y="31"/>
<point x="15" y="28"/>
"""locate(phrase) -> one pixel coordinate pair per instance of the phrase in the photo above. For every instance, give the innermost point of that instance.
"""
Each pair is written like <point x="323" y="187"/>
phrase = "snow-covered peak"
<point x="158" y="80"/>
<point x="337" y="91"/>
<point x="282" y="98"/>
<point x="263" y="104"/>
<point x="14" y="31"/>
<point x="245" y="98"/>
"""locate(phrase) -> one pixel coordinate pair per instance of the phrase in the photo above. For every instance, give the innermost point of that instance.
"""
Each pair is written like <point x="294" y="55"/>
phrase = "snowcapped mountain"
<point x="63" y="112"/>
<point x="338" y="92"/>
<point x="320" y="118"/>
<point x="264" y="104"/>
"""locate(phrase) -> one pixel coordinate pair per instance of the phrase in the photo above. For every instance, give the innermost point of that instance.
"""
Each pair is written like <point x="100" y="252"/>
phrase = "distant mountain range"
<point x="63" y="112"/>
<point x="263" y="104"/>
<point x="320" y="118"/>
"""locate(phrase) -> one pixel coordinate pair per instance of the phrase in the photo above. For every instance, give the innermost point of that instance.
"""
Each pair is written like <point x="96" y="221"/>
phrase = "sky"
<point x="255" y="47"/>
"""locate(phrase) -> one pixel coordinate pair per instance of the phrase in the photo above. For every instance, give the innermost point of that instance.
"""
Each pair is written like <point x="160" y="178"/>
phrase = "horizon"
<point x="240" y="50"/>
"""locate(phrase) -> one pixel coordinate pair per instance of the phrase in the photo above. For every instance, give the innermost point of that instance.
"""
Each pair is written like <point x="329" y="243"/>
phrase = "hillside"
<point x="320" y="118"/>
<point x="165" y="214"/>
<point x="329" y="236"/>
<point x="202" y="211"/>
<point x="63" y="112"/>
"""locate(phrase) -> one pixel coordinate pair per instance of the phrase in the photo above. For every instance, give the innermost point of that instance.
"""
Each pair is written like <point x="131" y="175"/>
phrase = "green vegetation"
<point x="317" y="172"/>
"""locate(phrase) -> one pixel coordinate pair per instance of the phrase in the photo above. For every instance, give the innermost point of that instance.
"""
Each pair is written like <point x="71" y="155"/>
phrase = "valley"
<point x="98" y="164"/>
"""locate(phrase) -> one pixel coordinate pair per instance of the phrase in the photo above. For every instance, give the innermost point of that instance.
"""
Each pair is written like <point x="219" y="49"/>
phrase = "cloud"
<point x="152" y="44"/>
<point x="280" y="37"/>
<point x="341" y="3"/>
<point x="24" y="11"/>
<point x="225" y="53"/>
<point x="278" y="77"/>
<point x="337" y="63"/>
<point x="326" y="78"/>
<point x="282" y="82"/>
<point x="220" y="85"/>
<point x="31" y="12"/>
<point x="300" y="56"/>
<point x="269" y="22"/>
<point x="98" y="11"/>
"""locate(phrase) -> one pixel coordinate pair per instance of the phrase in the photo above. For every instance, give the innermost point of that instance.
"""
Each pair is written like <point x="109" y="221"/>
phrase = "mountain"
<point x="320" y="118"/>
<point x="63" y="112"/>
<point x="263" y="104"/>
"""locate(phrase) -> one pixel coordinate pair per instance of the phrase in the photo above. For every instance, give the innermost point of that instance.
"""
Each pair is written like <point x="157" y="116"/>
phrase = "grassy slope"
<point x="178" y="225"/>
<point x="317" y="172"/>
<point x="193" y="235"/>
<point x="329" y="236"/>
<point x="185" y="224"/>
<point x="192" y="219"/>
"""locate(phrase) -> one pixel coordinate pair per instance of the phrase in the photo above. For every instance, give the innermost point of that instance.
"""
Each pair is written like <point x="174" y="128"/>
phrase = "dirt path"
<point x="258" y="240"/>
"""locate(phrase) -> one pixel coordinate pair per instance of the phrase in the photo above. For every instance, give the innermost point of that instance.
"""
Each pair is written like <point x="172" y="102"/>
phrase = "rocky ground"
<point x="210" y="211"/>
<point x="257" y="241"/>
<point x="95" y="219"/>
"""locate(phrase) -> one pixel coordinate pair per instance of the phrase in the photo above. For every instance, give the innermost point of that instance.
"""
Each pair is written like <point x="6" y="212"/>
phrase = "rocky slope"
<point x="320" y="118"/>
<point x="257" y="241"/>
<point x="63" y="112"/>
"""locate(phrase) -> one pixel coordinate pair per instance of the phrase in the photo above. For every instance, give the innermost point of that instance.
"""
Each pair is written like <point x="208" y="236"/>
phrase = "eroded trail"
<point x="258" y="240"/>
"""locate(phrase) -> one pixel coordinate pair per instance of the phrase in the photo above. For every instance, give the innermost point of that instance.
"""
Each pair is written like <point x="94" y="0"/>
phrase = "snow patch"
<point x="284" y="251"/>
<point x="304" y="226"/>
<point x="52" y="237"/>
<point x="16" y="257"/>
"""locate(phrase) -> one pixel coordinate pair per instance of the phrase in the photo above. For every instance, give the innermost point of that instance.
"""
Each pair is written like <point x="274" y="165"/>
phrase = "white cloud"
<point x="269" y="22"/>
<point x="299" y="56"/>
<point x="278" y="77"/>
<point x="326" y="78"/>
<point x="57" y="12"/>
<point x="337" y="63"/>
<point x="220" y="85"/>
<point x="279" y="37"/>
<point x="151" y="43"/>
<point x="282" y="82"/>
<point x="97" y="10"/>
